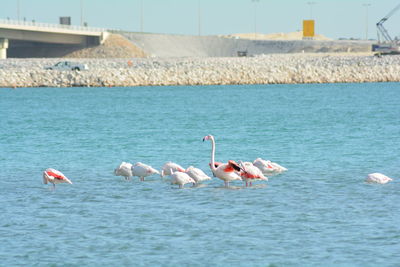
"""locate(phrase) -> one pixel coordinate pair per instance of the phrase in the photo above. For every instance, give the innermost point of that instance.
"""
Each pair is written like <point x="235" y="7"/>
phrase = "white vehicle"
<point x="68" y="65"/>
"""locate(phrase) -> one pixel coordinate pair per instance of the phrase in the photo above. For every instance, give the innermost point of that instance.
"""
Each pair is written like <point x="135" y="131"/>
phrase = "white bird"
<point x="143" y="170"/>
<point x="168" y="166"/>
<point x="251" y="173"/>
<point x="181" y="178"/>
<point x="197" y="174"/>
<point x="267" y="167"/>
<point x="55" y="177"/>
<point x="377" y="178"/>
<point x="225" y="171"/>
<point x="125" y="170"/>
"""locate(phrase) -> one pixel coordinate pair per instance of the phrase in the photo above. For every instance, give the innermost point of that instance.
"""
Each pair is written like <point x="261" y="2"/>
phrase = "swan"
<point x="267" y="167"/>
<point x="55" y="177"/>
<point x="377" y="178"/>
<point x="197" y="174"/>
<point x="181" y="178"/>
<point x="225" y="171"/>
<point x="142" y="170"/>
<point x="125" y="170"/>
<point x="251" y="173"/>
<point x="168" y="166"/>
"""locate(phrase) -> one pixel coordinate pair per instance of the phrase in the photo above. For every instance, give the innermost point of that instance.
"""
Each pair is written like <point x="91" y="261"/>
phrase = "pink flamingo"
<point x="168" y="166"/>
<point x="181" y="178"/>
<point x="143" y="170"/>
<point x="216" y="164"/>
<point x="267" y="167"/>
<point x="125" y="170"/>
<point x="197" y="174"/>
<point x="55" y="177"/>
<point x="378" y="178"/>
<point x="251" y="173"/>
<point x="226" y="171"/>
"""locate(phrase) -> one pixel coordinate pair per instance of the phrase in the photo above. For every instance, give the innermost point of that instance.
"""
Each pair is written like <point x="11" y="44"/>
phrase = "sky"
<point x="333" y="18"/>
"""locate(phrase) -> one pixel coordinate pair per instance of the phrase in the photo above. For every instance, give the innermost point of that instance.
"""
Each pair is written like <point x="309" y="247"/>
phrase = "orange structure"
<point x="308" y="29"/>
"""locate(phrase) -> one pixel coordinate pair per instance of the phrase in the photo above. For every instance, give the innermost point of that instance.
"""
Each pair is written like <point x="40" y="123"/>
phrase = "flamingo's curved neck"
<point x="213" y="155"/>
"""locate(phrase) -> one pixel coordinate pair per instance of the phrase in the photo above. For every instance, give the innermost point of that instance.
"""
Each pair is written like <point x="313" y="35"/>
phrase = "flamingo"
<point x="181" y="178"/>
<point x="55" y="177"/>
<point x="377" y="178"/>
<point x="197" y="174"/>
<point x="226" y="171"/>
<point x="216" y="164"/>
<point x="124" y="169"/>
<point x="267" y="167"/>
<point x="251" y="173"/>
<point x="168" y="166"/>
<point x="143" y="170"/>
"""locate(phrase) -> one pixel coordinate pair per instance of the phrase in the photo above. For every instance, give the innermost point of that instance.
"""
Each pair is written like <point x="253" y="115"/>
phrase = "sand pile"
<point x="116" y="46"/>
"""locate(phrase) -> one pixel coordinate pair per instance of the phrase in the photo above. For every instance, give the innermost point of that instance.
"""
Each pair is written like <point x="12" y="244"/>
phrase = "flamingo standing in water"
<point x="181" y="178"/>
<point x="251" y="173"/>
<point x="216" y="164"/>
<point x="125" y="170"/>
<point x="377" y="178"/>
<point x="55" y="177"/>
<point x="197" y="174"/>
<point x="168" y="166"/>
<point x="267" y="167"/>
<point x="143" y="170"/>
<point x="225" y="171"/>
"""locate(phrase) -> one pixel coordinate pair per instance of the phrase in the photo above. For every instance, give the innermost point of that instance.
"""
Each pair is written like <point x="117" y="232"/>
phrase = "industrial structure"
<point x="386" y="44"/>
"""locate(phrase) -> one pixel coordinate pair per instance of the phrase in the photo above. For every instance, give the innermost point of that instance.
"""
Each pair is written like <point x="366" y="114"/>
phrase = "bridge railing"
<point x="51" y="25"/>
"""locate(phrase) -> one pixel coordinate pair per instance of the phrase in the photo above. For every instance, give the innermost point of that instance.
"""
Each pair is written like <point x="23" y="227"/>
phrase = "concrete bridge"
<point x="31" y="39"/>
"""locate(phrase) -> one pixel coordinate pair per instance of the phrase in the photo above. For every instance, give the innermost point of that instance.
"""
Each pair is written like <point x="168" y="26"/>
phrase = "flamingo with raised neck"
<point x="225" y="171"/>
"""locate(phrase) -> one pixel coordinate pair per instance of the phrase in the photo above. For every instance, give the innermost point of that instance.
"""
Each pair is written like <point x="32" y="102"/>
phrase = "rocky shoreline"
<point x="266" y="69"/>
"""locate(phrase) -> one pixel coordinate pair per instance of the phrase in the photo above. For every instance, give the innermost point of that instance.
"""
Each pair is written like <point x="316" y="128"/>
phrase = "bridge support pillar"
<point x="3" y="48"/>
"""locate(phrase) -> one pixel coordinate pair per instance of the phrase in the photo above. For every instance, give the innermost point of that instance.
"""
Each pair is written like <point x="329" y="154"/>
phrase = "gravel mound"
<point x="116" y="46"/>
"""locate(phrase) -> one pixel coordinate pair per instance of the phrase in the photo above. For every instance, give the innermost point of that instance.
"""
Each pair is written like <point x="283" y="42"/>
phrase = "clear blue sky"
<point x="334" y="18"/>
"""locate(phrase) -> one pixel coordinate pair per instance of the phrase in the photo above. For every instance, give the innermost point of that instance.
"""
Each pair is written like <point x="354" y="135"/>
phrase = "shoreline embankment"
<point x="264" y="69"/>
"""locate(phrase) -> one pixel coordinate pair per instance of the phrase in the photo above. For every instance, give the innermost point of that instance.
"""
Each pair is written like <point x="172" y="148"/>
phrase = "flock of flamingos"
<point x="230" y="171"/>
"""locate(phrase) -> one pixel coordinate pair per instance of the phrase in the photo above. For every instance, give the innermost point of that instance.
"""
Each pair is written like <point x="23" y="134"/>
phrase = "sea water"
<point x="320" y="212"/>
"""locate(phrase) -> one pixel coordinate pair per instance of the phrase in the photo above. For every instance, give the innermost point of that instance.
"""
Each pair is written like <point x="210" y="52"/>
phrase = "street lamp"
<point x="18" y="10"/>
<point x="311" y="6"/>
<point x="81" y="12"/>
<point x="366" y="5"/>
<point x="199" y="17"/>
<point x="141" y="15"/>
<point x="255" y="17"/>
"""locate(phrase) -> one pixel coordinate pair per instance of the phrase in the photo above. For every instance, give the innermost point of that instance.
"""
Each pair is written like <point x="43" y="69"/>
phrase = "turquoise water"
<point x="320" y="212"/>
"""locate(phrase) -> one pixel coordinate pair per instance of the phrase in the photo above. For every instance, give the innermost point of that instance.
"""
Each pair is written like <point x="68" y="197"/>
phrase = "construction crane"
<point x="386" y="45"/>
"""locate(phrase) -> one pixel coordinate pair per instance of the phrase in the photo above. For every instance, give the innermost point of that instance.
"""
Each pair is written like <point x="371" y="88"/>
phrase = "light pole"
<point x="81" y="12"/>
<point x="18" y="10"/>
<point x="366" y="5"/>
<point x="311" y="6"/>
<point x="141" y="15"/>
<point x="255" y="17"/>
<point x="199" y="17"/>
